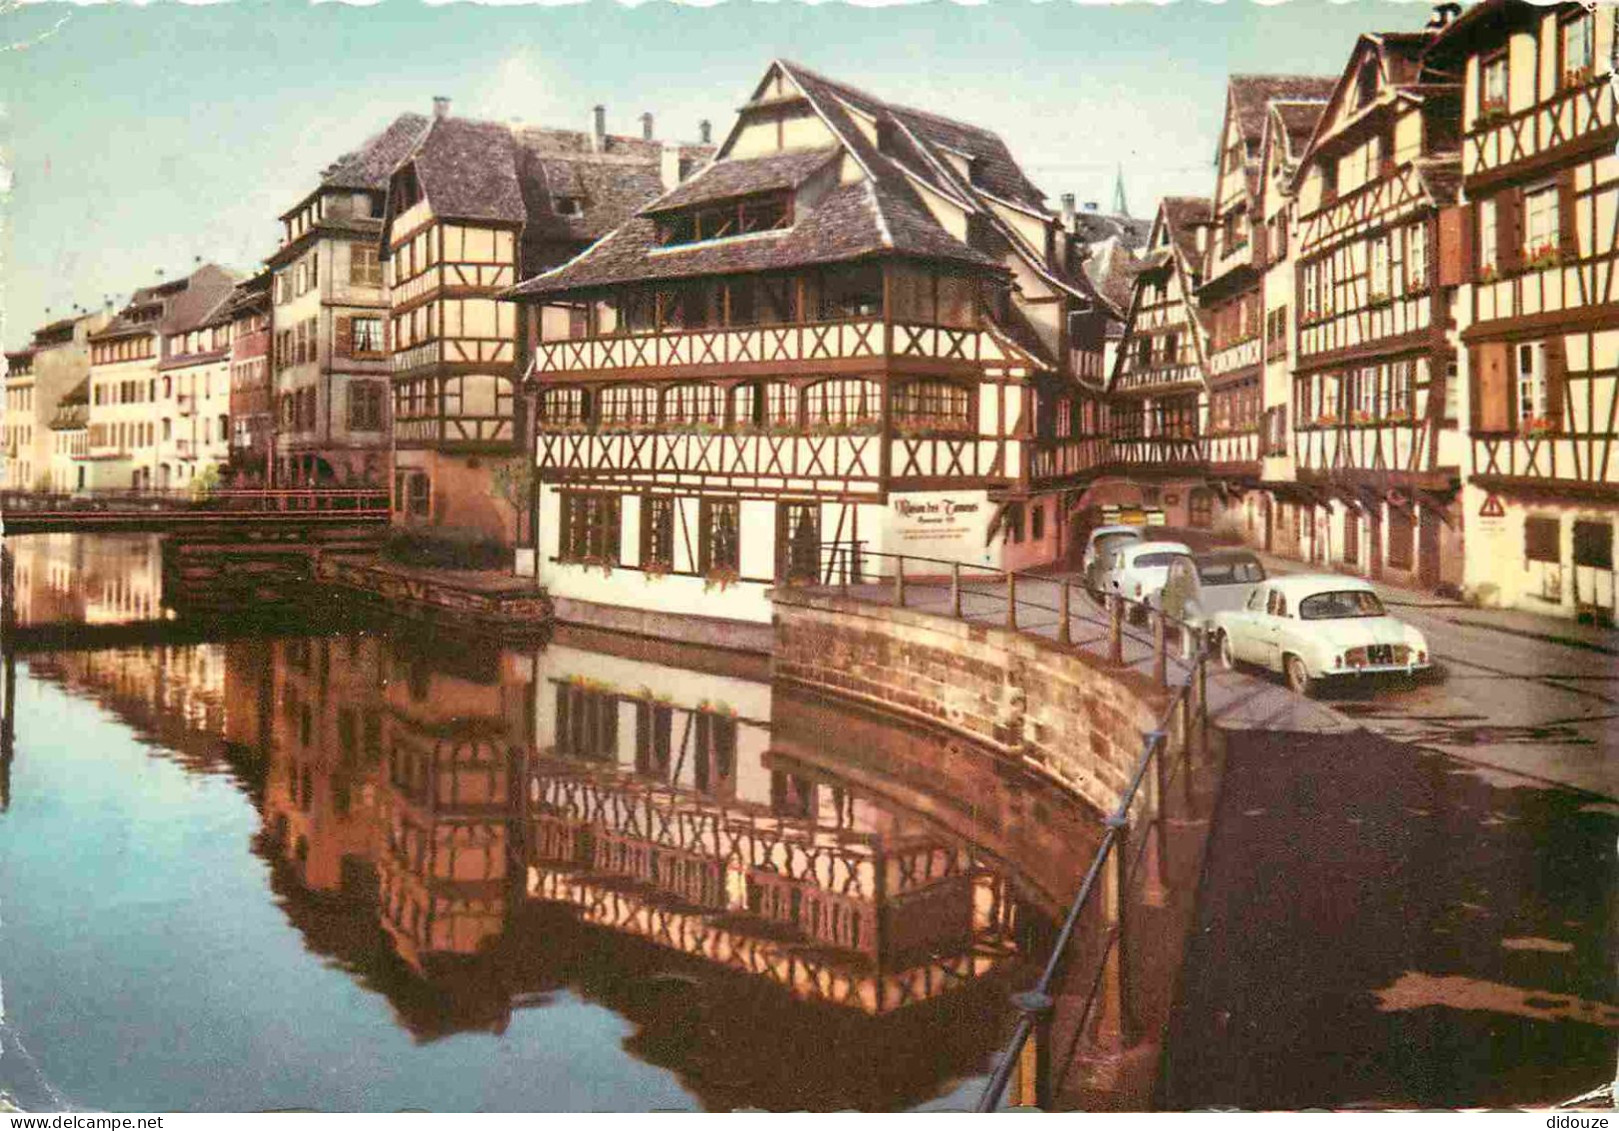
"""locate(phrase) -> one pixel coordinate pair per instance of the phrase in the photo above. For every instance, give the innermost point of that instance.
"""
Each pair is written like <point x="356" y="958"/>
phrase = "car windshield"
<point x="1109" y="542"/>
<point x="1159" y="558"/>
<point x="1340" y="604"/>
<point x="1231" y="571"/>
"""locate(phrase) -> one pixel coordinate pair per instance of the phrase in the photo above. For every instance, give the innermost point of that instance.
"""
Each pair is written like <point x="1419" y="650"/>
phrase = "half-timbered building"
<point x="472" y="208"/>
<point x="1537" y="254"/>
<point x="329" y="306"/>
<point x="1159" y="380"/>
<point x="856" y="326"/>
<point x="1289" y="125"/>
<point x="1375" y="427"/>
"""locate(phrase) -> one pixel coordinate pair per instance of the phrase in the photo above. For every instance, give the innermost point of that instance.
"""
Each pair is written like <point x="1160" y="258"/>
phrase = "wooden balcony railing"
<point x="1574" y="114"/>
<point x="765" y="345"/>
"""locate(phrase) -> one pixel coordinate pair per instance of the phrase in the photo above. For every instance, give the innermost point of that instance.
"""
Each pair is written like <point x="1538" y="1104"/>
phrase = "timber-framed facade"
<point x="815" y="340"/>
<point x="1537" y="260"/>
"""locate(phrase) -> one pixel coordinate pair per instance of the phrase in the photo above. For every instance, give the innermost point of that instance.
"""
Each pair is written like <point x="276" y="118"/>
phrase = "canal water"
<point x="367" y="869"/>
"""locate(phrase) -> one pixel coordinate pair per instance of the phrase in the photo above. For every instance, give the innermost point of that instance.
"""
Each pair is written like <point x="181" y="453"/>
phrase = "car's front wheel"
<point x="1228" y="658"/>
<point x="1298" y="676"/>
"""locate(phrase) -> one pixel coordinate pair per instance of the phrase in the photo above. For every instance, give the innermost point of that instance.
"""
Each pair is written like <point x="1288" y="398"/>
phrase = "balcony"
<point x="187" y="403"/>
<point x="764" y="349"/>
<point x="1581" y="116"/>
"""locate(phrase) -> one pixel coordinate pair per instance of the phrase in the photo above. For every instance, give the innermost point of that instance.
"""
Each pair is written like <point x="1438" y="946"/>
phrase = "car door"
<point x="1243" y="627"/>
<point x="1273" y="630"/>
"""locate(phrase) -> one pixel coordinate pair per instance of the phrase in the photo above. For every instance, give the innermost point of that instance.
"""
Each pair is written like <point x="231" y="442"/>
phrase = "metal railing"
<point x="1183" y="720"/>
<point x="103" y="501"/>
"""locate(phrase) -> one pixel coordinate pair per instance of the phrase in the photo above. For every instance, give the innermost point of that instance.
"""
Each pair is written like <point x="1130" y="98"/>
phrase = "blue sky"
<point x="141" y="137"/>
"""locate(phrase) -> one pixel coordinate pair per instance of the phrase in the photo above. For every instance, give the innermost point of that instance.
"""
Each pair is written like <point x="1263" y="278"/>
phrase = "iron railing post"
<point x="1065" y="635"/>
<point x="1115" y="629"/>
<point x="1011" y="600"/>
<point x="899" y="581"/>
<point x="1160" y="648"/>
<point x="955" y="590"/>
<point x="1202" y="694"/>
<point x="1033" y="1086"/>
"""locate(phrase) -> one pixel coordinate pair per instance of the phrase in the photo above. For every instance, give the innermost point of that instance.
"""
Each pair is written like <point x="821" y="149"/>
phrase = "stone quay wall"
<point x="1056" y="710"/>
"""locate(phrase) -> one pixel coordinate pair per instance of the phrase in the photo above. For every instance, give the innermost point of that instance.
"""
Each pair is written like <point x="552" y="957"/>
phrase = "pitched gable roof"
<point x="1183" y="215"/>
<point x="883" y="212"/>
<point x="370" y="166"/>
<point x="181" y="304"/>
<point x="1252" y="94"/>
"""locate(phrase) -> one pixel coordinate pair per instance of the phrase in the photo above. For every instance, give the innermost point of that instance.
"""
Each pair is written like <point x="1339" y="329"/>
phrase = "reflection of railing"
<point x="183" y="499"/>
<point x="851" y="566"/>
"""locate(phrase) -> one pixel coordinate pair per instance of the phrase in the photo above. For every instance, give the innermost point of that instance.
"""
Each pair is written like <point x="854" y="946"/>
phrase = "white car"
<point x="1099" y="549"/>
<point x="1209" y="583"/>
<point x="1138" y="570"/>
<point x="1318" y="626"/>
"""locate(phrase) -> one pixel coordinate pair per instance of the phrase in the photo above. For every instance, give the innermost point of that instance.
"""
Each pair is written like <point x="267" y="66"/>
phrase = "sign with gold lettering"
<point x="943" y="524"/>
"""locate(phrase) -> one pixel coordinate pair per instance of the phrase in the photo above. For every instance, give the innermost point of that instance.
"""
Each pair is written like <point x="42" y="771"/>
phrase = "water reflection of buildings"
<point x="469" y="831"/>
<point x="657" y="810"/>
<point x="69" y="579"/>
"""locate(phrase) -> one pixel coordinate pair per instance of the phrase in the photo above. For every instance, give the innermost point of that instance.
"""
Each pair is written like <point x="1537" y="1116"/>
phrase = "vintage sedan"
<point x="1138" y="570"/>
<point x="1317" y="627"/>
<point x="1208" y="583"/>
<point x="1099" y="549"/>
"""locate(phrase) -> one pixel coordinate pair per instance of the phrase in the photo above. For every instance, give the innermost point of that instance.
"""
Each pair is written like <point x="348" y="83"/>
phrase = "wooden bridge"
<point x="170" y="511"/>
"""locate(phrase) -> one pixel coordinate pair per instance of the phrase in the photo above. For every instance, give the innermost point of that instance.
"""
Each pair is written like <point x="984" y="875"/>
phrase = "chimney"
<point x="1068" y="211"/>
<point x="441" y="107"/>
<point x="646" y="126"/>
<point x="705" y="131"/>
<point x="1092" y="206"/>
<point x="1443" y="14"/>
<point x="598" y="133"/>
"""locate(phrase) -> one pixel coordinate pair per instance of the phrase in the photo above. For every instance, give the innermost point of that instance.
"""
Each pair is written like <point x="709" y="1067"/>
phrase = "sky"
<point x="139" y="138"/>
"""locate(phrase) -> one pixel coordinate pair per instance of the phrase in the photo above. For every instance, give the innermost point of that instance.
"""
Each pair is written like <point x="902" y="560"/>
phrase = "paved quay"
<point x="1408" y="897"/>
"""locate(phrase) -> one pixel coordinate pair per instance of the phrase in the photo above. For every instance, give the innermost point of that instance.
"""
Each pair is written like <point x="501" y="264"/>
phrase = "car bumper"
<point x="1378" y="669"/>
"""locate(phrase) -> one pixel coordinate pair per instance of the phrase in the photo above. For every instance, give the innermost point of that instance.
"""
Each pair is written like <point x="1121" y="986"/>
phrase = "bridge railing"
<point x="913" y="581"/>
<point x="274" y="500"/>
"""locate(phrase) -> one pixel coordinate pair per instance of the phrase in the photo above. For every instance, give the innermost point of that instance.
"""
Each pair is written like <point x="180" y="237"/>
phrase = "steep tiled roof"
<point x="516" y="174"/>
<point x="730" y="179"/>
<point x="1298" y="121"/>
<point x="1112" y="269"/>
<point x="370" y="165"/>
<point x="1132" y="231"/>
<point x="1183" y="215"/>
<point x="1250" y="94"/>
<point x="1441" y="178"/>
<point x="185" y="303"/>
<point x="883" y="213"/>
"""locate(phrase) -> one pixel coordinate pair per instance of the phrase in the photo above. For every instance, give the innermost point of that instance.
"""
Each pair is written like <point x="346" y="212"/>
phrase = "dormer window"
<point x="740" y="217"/>
<point x="569" y="206"/>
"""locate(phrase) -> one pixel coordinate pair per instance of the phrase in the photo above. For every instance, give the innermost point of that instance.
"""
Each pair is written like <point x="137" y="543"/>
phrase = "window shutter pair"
<point x="1509" y="230"/>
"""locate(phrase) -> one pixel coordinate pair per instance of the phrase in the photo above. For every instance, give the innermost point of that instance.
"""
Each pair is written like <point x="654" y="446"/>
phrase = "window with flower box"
<point x="694" y="404"/>
<point x="589" y="527"/>
<point x="932" y="406"/>
<point x="657" y="530"/>
<point x="721" y="542"/>
<point x="565" y="406"/>
<point x="1576" y="42"/>
<point x="1542" y="234"/>
<point x="1492" y="95"/>
<point x="843" y="402"/>
<point x="629" y="405"/>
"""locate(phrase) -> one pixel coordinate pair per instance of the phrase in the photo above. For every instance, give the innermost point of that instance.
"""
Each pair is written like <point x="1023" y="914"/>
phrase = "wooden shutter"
<point x="1457" y="226"/>
<point x="1509" y="230"/>
<point x="345" y="337"/>
<point x="1492" y="388"/>
<point x="1567" y="233"/>
<point x="1556" y="379"/>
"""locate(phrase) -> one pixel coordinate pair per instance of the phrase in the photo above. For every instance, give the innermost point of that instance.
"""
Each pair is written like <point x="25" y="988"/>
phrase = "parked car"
<point x="1318" y="626"/>
<point x="1204" y="584"/>
<point x="1099" y="549"/>
<point x="1138" y="570"/>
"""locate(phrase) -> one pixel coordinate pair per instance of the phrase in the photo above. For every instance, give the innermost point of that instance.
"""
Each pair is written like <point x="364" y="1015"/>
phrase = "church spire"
<point x="1120" y="208"/>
